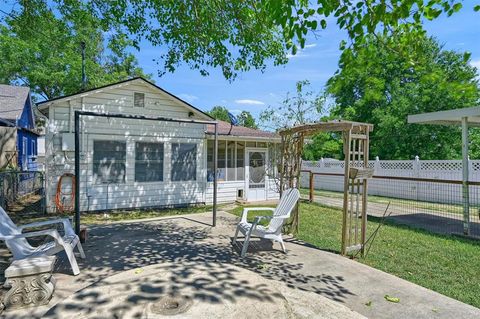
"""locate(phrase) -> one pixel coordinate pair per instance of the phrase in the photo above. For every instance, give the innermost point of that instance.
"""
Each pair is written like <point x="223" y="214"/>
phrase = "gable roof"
<point x="45" y="104"/>
<point x="226" y="129"/>
<point x="12" y="102"/>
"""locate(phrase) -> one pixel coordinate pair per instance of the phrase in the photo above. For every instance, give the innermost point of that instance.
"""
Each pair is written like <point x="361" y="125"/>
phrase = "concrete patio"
<point x="130" y="265"/>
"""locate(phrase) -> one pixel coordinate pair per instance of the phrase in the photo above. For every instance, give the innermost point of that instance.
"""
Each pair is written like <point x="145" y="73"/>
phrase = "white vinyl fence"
<point x="415" y="190"/>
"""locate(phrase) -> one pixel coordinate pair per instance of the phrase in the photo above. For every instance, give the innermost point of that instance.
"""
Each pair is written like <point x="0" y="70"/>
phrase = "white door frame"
<point x="247" y="169"/>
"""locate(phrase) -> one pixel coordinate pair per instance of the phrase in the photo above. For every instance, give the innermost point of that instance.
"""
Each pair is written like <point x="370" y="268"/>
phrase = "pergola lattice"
<point x="356" y="151"/>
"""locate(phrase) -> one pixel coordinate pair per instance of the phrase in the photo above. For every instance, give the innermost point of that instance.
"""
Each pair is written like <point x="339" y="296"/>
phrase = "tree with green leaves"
<point x="237" y="35"/>
<point x="305" y="106"/>
<point x="245" y="118"/>
<point x="219" y="113"/>
<point x="41" y="49"/>
<point x="384" y="81"/>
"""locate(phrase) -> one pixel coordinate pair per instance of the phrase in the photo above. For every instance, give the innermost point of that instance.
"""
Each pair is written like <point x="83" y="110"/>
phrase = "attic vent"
<point x="138" y="99"/>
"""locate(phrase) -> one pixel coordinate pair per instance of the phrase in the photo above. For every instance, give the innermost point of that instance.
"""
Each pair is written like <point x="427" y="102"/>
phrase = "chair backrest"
<point x="284" y="208"/>
<point x="19" y="246"/>
<point x="7" y="227"/>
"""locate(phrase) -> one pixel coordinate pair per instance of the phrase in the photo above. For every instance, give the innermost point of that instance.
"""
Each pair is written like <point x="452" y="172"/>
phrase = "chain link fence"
<point x="22" y="191"/>
<point x="421" y="193"/>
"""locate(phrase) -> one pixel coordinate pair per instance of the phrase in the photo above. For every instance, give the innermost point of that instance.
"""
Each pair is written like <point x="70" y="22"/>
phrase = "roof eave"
<point x="244" y="138"/>
<point x="45" y="104"/>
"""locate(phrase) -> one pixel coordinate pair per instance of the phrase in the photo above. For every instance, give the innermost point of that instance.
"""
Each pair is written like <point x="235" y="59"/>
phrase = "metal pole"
<point x="84" y="74"/>
<point x="77" y="173"/>
<point x="215" y="164"/>
<point x="465" y="190"/>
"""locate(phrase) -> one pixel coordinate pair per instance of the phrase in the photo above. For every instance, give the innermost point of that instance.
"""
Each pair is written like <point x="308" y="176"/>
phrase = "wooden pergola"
<point x="356" y="151"/>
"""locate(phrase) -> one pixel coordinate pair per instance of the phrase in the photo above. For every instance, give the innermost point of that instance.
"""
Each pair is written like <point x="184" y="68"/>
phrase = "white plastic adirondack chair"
<point x="273" y="231"/>
<point x="17" y="243"/>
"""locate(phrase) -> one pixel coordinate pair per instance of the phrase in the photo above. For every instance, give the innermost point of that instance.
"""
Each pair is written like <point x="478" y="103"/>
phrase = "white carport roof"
<point x="465" y="117"/>
<point x="449" y="117"/>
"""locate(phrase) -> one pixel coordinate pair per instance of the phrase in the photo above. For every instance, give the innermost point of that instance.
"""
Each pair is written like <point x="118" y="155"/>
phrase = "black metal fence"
<point x="22" y="191"/>
<point x="432" y="204"/>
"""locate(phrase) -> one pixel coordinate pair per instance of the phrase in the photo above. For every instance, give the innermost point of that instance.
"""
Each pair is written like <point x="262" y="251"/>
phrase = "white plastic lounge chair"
<point x="273" y="231"/>
<point x="17" y="243"/>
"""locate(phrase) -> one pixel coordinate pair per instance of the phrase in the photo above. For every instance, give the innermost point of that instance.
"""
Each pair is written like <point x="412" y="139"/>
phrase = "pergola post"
<point x="465" y="173"/>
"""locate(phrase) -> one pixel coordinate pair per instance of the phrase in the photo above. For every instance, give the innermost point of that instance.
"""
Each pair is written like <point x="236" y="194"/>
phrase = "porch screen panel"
<point x="210" y="148"/>
<point x="148" y="162"/>
<point x="222" y="167"/>
<point x="240" y="161"/>
<point x="230" y="161"/>
<point x="109" y="161"/>
<point x="184" y="162"/>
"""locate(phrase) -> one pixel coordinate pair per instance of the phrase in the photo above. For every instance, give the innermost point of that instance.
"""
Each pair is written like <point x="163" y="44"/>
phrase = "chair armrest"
<point x="49" y="232"/>
<point x="64" y="221"/>
<point x="249" y="209"/>
<point x="259" y="218"/>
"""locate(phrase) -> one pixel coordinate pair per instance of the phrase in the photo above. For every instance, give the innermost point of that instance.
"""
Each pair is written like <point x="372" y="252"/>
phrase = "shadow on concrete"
<point x="188" y="247"/>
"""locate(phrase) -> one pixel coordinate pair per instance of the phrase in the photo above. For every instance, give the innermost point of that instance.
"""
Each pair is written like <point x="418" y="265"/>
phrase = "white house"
<point x="133" y="163"/>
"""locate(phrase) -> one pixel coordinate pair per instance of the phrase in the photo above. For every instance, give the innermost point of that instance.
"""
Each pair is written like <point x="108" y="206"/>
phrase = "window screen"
<point x="240" y="161"/>
<point x="210" y="149"/>
<point x="221" y="163"/>
<point x="184" y="162"/>
<point x="109" y="161"/>
<point x="230" y="161"/>
<point x="138" y="99"/>
<point x="148" y="162"/>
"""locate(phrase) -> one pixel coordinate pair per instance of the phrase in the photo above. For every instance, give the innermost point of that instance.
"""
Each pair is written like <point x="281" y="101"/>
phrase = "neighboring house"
<point x="132" y="163"/>
<point x="18" y="135"/>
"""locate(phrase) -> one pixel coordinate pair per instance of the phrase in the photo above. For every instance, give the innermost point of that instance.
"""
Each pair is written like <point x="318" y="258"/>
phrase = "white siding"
<point x="130" y="194"/>
<point x="226" y="191"/>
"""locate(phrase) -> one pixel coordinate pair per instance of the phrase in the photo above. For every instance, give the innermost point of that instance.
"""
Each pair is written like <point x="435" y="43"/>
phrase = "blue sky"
<point x="254" y="90"/>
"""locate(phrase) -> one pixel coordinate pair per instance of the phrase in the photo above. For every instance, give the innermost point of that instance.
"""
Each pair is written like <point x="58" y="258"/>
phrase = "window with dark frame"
<point x="149" y="162"/>
<point x="109" y="161"/>
<point x="138" y="99"/>
<point x="184" y="162"/>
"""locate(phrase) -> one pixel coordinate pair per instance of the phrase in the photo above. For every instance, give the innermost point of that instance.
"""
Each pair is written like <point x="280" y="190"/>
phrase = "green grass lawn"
<point x="94" y="218"/>
<point x="446" y="264"/>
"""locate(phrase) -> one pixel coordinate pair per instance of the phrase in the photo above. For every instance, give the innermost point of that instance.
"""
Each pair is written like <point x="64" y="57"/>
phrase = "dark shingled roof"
<point x="240" y="131"/>
<point x="12" y="101"/>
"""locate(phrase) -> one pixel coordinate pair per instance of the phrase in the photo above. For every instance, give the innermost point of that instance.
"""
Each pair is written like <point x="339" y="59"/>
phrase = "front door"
<point x="256" y="175"/>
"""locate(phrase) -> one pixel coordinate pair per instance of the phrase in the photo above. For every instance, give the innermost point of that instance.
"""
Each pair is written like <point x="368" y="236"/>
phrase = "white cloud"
<point x="475" y="63"/>
<point x="249" y="102"/>
<point x="301" y="52"/>
<point x="188" y="97"/>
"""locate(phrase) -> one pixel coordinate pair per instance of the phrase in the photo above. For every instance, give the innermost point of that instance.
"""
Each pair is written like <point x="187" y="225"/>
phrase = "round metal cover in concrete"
<point x="195" y="290"/>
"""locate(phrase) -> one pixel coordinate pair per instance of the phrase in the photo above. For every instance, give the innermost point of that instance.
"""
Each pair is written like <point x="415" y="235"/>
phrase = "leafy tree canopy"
<point x="219" y="113"/>
<point x="383" y="81"/>
<point x="236" y="35"/>
<point x="245" y="118"/>
<point x="41" y="49"/>
<point x="304" y="106"/>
